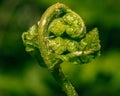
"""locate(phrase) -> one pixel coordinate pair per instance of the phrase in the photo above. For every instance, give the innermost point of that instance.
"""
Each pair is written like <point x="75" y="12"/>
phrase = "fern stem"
<point x="65" y="84"/>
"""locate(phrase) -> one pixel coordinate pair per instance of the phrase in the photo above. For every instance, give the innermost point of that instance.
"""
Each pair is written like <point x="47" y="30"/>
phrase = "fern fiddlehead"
<point x="60" y="36"/>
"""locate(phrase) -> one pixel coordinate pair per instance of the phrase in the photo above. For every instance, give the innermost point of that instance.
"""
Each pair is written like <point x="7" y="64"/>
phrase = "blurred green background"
<point x="20" y="74"/>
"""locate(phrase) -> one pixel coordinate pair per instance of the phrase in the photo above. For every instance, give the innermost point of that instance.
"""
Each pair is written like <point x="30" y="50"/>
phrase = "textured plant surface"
<point x="60" y="36"/>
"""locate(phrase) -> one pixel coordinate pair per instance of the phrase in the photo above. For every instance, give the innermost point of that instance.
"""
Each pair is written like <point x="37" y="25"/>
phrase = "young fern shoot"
<point x="60" y="36"/>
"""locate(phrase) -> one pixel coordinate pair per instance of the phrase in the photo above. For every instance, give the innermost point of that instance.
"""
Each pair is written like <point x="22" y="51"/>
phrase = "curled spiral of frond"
<point x="62" y="35"/>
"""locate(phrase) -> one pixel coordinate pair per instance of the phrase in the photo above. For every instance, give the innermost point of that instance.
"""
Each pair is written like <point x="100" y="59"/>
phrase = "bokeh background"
<point x="20" y="74"/>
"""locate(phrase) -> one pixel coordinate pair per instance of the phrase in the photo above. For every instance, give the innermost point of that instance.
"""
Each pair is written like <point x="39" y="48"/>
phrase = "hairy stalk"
<point x="63" y="81"/>
<point x="60" y="36"/>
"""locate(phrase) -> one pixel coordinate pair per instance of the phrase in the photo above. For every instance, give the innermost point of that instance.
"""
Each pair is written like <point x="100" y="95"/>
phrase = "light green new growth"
<point x="60" y="36"/>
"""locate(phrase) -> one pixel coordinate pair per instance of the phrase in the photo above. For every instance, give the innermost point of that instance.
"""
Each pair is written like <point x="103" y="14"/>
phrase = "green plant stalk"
<point x="55" y="69"/>
<point x="60" y="36"/>
<point x="65" y="84"/>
